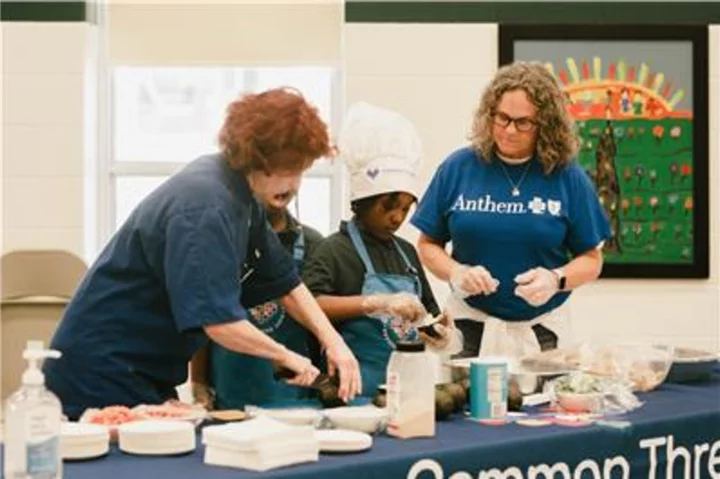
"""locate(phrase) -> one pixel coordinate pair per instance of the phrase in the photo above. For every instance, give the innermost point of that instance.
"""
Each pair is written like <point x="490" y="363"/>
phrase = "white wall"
<point x="2" y="137"/>
<point x="218" y="33"/>
<point x="434" y="74"/>
<point x="2" y="179"/>
<point x="42" y="73"/>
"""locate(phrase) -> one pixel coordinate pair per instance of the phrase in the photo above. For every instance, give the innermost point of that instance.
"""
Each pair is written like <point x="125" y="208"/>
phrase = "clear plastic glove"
<point x="404" y="306"/>
<point x="203" y="395"/>
<point x="342" y="361"/>
<point x="536" y="286"/>
<point x="471" y="280"/>
<point x="305" y="372"/>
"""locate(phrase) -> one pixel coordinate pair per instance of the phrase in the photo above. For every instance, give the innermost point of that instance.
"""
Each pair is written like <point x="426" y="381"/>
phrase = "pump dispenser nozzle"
<point x="34" y="352"/>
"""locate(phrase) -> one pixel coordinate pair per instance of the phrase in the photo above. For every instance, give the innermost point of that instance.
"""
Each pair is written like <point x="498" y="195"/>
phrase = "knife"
<point x="322" y="380"/>
<point x="328" y="387"/>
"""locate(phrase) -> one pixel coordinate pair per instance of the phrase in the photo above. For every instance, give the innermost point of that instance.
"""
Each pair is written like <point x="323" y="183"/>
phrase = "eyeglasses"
<point x="522" y="123"/>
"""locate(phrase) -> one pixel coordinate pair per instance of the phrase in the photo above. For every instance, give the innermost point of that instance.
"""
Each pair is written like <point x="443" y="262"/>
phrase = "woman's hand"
<point x="471" y="280"/>
<point x="342" y="361"/>
<point x="305" y="372"/>
<point x="537" y="286"/>
<point x="404" y="306"/>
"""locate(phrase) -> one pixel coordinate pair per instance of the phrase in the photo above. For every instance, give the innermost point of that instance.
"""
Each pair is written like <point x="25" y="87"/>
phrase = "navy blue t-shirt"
<point x="181" y="261"/>
<point x="469" y="202"/>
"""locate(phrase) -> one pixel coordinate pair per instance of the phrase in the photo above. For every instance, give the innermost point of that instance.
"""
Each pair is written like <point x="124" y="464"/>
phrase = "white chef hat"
<point x="382" y="151"/>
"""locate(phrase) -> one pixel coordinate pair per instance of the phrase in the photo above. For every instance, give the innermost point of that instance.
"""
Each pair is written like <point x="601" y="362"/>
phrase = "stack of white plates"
<point x="156" y="437"/>
<point x="293" y="416"/>
<point x="341" y="440"/>
<point x="259" y="444"/>
<point x="83" y="441"/>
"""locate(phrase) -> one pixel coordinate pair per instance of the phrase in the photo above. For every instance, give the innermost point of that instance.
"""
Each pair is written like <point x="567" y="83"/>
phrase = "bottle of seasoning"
<point x="410" y="392"/>
<point x="488" y="387"/>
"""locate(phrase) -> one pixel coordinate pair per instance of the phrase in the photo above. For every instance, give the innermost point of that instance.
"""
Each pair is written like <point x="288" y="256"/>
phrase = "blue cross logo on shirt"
<point x="537" y="205"/>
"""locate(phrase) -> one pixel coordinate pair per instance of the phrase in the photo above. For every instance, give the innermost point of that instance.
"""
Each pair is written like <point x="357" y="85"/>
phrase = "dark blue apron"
<point x="241" y="379"/>
<point x="372" y="339"/>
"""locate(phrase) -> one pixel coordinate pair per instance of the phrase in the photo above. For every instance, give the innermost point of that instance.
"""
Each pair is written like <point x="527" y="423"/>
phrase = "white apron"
<point x="512" y="339"/>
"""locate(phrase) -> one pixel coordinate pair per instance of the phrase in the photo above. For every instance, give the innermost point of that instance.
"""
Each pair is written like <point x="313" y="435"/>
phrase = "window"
<point x="163" y="117"/>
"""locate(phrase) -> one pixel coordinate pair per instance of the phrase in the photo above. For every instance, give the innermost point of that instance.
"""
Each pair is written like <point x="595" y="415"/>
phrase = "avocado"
<point x="380" y="399"/>
<point x="465" y="383"/>
<point x="458" y="394"/>
<point x="515" y="399"/>
<point x="329" y="394"/>
<point x="459" y="374"/>
<point x="444" y="404"/>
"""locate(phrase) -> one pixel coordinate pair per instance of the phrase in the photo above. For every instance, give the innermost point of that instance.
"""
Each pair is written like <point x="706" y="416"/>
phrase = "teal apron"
<point x="372" y="339"/>
<point x="241" y="379"/>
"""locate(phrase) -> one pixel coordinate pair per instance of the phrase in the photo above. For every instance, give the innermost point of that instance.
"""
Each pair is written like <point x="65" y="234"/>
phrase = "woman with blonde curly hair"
<point x="515" y="206"/>
<point x="190" y="261"/>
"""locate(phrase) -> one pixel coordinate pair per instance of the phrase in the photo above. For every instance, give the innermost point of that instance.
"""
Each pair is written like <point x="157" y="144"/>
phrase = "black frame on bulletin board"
<point x="697" y="264"/>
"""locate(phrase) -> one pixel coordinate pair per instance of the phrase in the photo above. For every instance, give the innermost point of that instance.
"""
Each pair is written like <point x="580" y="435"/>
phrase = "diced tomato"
<point x="113" y="416"/>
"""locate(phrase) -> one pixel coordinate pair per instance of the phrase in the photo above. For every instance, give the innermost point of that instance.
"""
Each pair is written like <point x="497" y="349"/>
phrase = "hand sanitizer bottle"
<point x="32" y="423"/>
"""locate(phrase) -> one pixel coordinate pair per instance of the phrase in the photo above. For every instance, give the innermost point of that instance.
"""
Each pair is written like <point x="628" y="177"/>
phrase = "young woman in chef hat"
<point x="367" y="280"/>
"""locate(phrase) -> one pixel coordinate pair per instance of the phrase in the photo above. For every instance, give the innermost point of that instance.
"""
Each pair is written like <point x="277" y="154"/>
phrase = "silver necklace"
<point x="515" y="191"/>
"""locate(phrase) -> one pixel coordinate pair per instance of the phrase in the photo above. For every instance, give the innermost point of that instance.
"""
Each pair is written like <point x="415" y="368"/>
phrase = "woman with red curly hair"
<point x="189" y="260"/>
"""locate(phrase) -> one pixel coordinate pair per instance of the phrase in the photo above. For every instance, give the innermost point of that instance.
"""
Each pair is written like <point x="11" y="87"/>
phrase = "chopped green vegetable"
<point x="578" y="383"/>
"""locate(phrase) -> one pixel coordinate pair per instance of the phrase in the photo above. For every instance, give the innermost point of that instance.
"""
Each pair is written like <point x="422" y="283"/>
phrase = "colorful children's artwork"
<point x="639" y="98"/>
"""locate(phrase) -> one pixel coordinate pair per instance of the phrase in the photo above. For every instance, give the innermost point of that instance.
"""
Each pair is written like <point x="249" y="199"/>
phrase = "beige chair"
<point x="35" y="287"/>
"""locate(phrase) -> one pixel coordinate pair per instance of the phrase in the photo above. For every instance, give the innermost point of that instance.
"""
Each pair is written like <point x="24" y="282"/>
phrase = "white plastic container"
<point x="410" y="392"/>
<point x="32" y="423"/>
<point x="79" y="441"/>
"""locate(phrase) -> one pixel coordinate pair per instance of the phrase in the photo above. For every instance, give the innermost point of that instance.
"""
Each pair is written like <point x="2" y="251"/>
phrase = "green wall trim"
<point x="528" y="12"/>
<point x="24" y="11"/>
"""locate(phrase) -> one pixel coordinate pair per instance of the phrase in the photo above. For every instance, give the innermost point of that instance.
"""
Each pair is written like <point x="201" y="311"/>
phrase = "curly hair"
<point x="557" y="140"/>
<point x="273" y="130"/>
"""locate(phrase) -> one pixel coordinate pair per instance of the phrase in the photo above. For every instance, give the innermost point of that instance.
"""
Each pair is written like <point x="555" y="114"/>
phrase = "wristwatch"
<point x="560" y="273"/>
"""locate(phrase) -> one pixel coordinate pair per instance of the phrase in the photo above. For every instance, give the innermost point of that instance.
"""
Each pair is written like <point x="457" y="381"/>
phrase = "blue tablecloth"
<point x="675" y="419"/>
